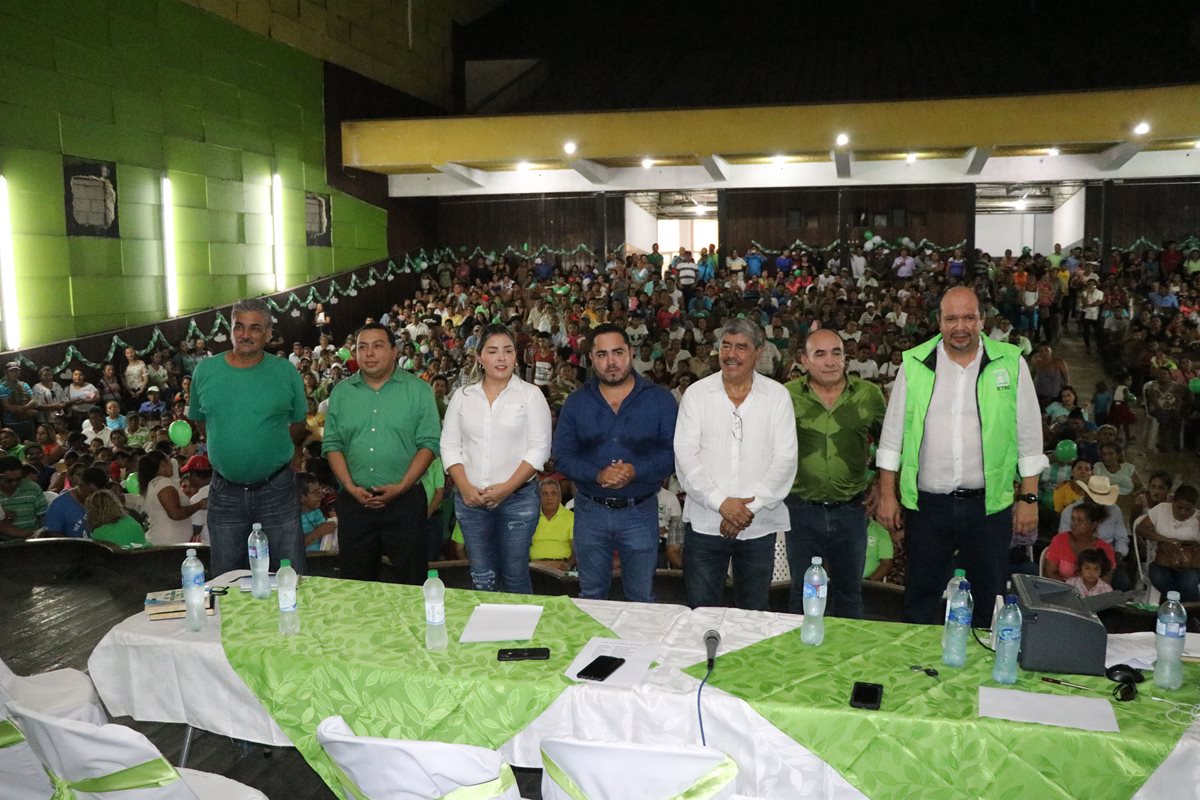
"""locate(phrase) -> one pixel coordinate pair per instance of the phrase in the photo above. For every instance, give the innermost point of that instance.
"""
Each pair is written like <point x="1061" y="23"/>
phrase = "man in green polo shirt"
<point x="837" y="417"/>
<point x="251" y="409"/>
<point x="381" y="434"/>
<point x="22" y="504"/>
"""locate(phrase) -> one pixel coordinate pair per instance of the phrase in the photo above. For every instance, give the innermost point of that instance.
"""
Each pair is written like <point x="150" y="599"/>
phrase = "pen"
<point x="1057" y="682"/>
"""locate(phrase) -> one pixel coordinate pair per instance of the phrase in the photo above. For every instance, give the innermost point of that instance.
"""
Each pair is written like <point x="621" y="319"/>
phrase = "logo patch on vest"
<point x="1002" y="379"/>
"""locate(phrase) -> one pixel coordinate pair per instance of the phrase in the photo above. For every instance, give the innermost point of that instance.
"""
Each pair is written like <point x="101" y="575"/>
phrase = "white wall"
<point x="690" y="233"/>
<point x="995" y="233"/>
<point x="641" y="228"/>
<point x="1068" y="221"/>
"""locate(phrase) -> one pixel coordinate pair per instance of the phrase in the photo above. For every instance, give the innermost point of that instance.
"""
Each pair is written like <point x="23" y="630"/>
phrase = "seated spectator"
<point x="94" y="427"/>
<point x="198" y="471"/>
<point x="82" y="397"/>
<point x="138" y="434"/>
<point x="1158" y="490"/>
<point x="35" y="457"/>
<point x="47" y="437"/>
<point x="879" y="552"/>
<point x="312" y="520"/>
<point x="170" y="517"/>
<point x="113" y="417"/>
<point x="1061" y="408"/>
<point x="1175" y="529"/>
<point x="1070" y="491"/>
<point x="67" y="515"/>
<point x="18" y="406"/>
<point x="553" y="539"/>
<point x="153" y="404"/>
<point x="11" y="445"/>
<point x="108" y="522"/>
<point x="1091" y="567"/>
<point x="21" y="500"/>
<point x="1063" y="552"/>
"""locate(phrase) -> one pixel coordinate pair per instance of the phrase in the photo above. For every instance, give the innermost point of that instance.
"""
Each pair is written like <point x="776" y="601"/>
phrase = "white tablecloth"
<point x="160" y="672"/>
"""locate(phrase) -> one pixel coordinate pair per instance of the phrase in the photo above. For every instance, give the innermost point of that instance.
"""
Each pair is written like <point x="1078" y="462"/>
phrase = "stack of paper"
<point x="169" y="604"/>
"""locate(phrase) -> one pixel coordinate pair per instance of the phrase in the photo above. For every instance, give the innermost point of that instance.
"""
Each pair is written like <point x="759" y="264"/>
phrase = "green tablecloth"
<point x="361" y="654"/>
<point x="927" y="740"/>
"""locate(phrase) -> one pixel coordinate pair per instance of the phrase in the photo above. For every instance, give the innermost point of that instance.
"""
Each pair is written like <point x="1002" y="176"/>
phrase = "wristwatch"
<point x="1028" y="497"/>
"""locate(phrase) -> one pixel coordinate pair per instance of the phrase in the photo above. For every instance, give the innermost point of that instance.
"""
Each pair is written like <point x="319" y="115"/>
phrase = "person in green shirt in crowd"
<point x="880" y="552"/>
<point x="381" y="434"/>
<point x="108" y="522"/>
<point x="21" y="500"/>
<point x="434" y="484"/>
<point x="837" y="418"/>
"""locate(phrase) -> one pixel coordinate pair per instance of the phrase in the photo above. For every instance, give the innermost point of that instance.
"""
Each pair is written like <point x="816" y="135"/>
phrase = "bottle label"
<point x="287" y="600"/>
<point x="1010" y="634"/>
<point x="811" y="591"/>
<point x="960" y="615"/>
<point x="435" y="614"/>
<point x="262" y="551"/>
<point x="1174" y="630"/>
<point x="196" y="579"/>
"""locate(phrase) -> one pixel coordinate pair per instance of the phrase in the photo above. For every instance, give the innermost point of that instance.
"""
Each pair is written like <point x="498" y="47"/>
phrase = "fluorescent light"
<point x="1020" y="205"/>
<point x="8" y="273"/>
<point x="277" y="231"/>
<point x="779" y="161"/>
<point x="569" y="148"/>
<point x="1053" y="151"/>
<point x="701" y="209"/>
<point x="1197" y="145"/>
<point x="168" y="239"/>
<point x="1142" y="128"/>
<point x="842" y="140"/>
<point x="647" y="163"/>
<point x="523" y="166"/>
<point x="911" y="158"/>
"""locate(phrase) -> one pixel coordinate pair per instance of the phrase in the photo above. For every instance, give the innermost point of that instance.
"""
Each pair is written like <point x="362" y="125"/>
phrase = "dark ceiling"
<point x="624" y="54"/>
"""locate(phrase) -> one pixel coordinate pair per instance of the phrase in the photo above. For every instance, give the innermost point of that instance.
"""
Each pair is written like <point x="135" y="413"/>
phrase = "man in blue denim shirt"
<point x="614" y="440"/>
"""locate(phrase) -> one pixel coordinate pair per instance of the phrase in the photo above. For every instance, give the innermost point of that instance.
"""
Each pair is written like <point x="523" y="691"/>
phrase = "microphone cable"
<point x="699" y="711"/>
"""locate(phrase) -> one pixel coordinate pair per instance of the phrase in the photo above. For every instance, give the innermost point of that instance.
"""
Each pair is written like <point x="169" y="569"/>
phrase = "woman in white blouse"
<point x="166" y="507"/>
<point x="495" y="439"/>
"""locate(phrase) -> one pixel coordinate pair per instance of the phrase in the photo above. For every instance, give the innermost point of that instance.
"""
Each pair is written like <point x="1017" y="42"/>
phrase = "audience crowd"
<point x="92" y="456"/>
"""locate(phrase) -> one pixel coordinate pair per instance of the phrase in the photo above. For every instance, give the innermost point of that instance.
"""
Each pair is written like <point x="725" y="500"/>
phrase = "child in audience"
<point x="1120" y="414"/>
<point x="1091" y="570"/>
<point x="312" y="520"/>
<point x="114" y="419"/>
<point x="1101" y="403"/>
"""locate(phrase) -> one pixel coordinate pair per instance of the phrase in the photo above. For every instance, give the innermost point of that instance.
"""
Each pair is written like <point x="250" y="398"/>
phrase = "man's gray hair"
<point x="251" y="305"/>
<point x="744" y="327"/>
<point x="550" y="482"/>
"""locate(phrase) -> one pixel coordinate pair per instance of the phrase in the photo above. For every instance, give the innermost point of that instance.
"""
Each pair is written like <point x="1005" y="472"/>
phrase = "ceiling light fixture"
<point x="647" y="163"/>
<point x="842" y="140"/>
<point x="1142" y="128"/>
<point x="1052" y="151"/>
<point x="523" y="166"/>
<point x="569" y="148"/>
<point x="911" y="158"/>
<point x="779" y="161"/>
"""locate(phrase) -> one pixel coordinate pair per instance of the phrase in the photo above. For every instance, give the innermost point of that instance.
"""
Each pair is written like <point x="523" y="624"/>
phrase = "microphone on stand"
<point x="712" y="639"/>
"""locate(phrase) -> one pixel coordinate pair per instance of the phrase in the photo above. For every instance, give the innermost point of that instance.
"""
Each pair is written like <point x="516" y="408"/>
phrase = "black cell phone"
<point x="601" y="668"/>
<point x="523" y="654"/>
<point x="866" y="695"/>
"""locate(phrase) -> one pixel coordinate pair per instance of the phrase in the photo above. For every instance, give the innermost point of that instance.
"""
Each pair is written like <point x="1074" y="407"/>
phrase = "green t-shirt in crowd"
<point x="879" y="547"/>
<point x="125" y="532"/>
<point x="378" y="431"/>
<point x="26" y="506"/>
<point x="433" y="479"/>
<point x="834" y="445"/>
<point x="246" y="413"/>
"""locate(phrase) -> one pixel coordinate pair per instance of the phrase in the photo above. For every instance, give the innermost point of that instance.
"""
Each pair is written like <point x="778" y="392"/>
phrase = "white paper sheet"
<point x="1085" y="713"/>
<point x="495" y="622"/>
<point x="639" y="657"/>
<point x="1137" y="649"/>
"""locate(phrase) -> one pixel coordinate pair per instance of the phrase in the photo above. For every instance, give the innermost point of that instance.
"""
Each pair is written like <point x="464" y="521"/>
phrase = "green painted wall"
<point x="160" y="87"/>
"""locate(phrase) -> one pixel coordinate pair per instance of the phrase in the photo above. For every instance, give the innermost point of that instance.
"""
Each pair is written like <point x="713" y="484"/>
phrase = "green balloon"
<point x="868" y="235"/>
<point x="344" y="354"/>
<point x="131" y="483"/>
<point x="1194" y="385"/>
<point x="1066" y="451"/>
<point x="180" y="433"/>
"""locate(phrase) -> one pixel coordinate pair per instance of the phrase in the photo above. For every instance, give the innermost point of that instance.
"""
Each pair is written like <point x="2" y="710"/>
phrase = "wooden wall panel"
<point x="495" y="222"/>
<point x="768" y="216"/>
<point x="943" y="214"/>
<point x="1155" y="210"/>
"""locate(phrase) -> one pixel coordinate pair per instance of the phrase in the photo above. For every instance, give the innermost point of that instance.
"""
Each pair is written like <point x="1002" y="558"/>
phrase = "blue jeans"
<point x="632" y="532"/>
<point x="706" y="559"/>
<point x="1184" y="581"/>
<point x="839" y="537"/>
<point x="498" y="539"/>
<point x="232" y="509"/>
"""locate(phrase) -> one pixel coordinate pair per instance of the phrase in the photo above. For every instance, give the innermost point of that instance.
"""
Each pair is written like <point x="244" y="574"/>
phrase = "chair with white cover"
<point x="20" y="770"/>
<point x="61" y="693"/>
<point x="112" y="762"/>
<point x="394" y="769"/>
<point x="574" y="769"/>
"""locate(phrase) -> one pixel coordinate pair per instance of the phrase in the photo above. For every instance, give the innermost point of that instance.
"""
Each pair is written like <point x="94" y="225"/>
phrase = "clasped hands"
<point x="487" y="497"/>
<point x="735" y="516"/>
<point x="379" y="496"/>
<point x="616" y="475"/>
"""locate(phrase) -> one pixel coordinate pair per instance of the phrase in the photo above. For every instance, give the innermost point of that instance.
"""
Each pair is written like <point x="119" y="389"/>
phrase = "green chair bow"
<point x="147" y="775"/>
<point x="480" y="791"/>
<point x="10" y="734"/>
<point x="705" y="787"/>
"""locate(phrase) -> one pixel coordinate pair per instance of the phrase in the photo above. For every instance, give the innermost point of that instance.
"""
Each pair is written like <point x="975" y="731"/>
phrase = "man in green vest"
<point x="962" y="428"/>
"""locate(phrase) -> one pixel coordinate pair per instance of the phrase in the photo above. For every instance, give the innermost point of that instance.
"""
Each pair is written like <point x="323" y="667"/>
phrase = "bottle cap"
<point x="1170" y="595"/>
<point x="191" y="552"/>
<point x="816" y="560"/>
<point x="964" y="586"/>
<point x="431" y="574"/>
<point x="960" y="573"/>
<point x="256" y="526"/>
<point x="285" y="562"/>
<point x="1010" y="599"/>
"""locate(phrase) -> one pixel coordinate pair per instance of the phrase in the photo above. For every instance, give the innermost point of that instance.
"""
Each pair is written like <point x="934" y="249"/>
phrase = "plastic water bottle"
<point x="435" y="612"/>
<point x="193" y="591"/>
<point x="1008" y="641"/>
<point x="816" y="587"/>
<point x="289" y="613"/>
<point x="260" y="563"/>
<point x="960" y="575"/>
<point x="1169" y="636"/>
<point x="958" y="624"/>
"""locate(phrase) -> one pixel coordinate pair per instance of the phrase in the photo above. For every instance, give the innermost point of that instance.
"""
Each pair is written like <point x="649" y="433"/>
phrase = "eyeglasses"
<point x="737" y="426"/>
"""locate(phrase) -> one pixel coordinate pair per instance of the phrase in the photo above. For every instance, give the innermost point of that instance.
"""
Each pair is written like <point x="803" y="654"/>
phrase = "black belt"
<point x="961" y="493"/>
<point x="830" y="504"/>
<point x="250" y="487"/>
<point x="619" y="502"/>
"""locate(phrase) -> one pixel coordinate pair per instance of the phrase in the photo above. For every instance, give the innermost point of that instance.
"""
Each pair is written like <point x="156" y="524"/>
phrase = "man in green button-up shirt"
<point x="381" y="434"/>
<point x="837" y="418"/>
